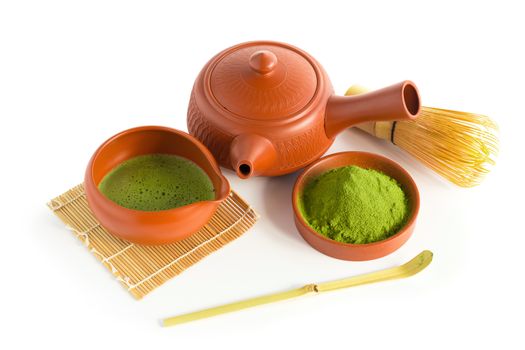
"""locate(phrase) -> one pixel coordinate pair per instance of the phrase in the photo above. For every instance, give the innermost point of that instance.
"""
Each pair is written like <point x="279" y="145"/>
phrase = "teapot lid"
<point x="263" y="80"/>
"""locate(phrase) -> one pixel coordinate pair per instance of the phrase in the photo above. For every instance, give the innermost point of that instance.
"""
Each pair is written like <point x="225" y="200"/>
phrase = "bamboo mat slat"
<point x="140" y="269"/>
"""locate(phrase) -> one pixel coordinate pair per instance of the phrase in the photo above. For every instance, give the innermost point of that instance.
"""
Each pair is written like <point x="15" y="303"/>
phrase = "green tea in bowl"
<point x="156" y="182"/>
<point x="354" y="205"/>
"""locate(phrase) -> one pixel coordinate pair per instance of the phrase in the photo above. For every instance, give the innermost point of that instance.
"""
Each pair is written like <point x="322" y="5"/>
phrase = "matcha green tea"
<point x="157" y="182"/>
<point x="354" y="205"/>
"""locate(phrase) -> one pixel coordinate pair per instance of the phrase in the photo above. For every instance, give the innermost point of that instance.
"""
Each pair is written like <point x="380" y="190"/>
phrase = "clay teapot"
<point x="268" y="108"/>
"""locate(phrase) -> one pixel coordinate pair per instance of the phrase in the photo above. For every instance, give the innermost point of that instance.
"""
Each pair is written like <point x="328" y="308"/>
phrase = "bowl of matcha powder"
<point x="355" y="205"/>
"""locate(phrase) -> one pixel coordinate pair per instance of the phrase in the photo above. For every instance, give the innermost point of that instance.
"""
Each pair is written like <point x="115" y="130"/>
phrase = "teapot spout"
<point x="396" y="102"/>
<point x="252" y="155"/>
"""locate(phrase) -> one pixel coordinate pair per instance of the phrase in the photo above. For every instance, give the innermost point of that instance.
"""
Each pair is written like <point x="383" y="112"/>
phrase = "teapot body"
<point x="268" y="108"/>
<point x="298" y="139"/>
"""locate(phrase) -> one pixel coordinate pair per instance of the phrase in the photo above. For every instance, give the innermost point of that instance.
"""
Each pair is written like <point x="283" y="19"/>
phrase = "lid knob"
<point x="263" y="61"/>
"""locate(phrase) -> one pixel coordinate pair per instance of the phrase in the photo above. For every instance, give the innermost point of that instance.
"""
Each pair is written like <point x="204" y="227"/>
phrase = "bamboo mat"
<point x="140" y="269"/>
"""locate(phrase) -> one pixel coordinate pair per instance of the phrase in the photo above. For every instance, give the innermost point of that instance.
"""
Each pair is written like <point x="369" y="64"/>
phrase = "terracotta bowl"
<point x="347" y="251"/>
<point x="152" y="227"/>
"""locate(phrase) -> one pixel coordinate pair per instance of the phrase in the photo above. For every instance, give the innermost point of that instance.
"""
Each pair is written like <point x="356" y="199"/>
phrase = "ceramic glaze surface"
<point x="347" y="251"/>
<point x="268" y="108"/>
<point x="152" y="227"/>
<point x="263" y="82"/>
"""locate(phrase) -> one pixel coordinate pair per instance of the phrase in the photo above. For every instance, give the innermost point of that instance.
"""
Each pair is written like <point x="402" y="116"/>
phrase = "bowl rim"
<point x="138" y="129"/>
<point x="415" y="201"/>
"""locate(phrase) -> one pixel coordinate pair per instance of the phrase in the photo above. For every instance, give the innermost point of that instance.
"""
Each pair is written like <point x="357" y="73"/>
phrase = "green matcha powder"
<point x="354" y="205"/>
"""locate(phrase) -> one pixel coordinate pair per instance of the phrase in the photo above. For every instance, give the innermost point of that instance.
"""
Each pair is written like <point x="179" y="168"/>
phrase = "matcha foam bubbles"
<point x="354" y="205"/>
<point x="157" y="182"/>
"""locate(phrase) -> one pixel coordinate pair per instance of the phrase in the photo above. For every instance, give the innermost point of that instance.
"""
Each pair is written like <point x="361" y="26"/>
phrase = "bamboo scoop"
<point x="408" y="269"/>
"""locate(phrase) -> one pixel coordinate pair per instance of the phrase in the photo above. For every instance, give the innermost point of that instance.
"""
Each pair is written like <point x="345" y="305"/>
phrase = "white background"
<point x="74" y="73"/>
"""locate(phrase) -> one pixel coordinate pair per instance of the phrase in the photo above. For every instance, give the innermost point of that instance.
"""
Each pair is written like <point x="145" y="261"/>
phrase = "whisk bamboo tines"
<point x="460" y="146"/>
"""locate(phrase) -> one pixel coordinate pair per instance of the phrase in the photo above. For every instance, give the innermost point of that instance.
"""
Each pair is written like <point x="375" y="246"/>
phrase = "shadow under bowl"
<point x="347" y="251"/>
<point x="152" y="227"/>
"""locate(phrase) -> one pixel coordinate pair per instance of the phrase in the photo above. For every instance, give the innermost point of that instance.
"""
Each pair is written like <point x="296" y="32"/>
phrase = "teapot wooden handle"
<point x="382" y="130"/>
<point x="396" y="102"/>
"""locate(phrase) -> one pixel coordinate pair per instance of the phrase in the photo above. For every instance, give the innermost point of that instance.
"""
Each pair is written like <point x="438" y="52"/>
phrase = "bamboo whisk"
<point x="459" y="146"/>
